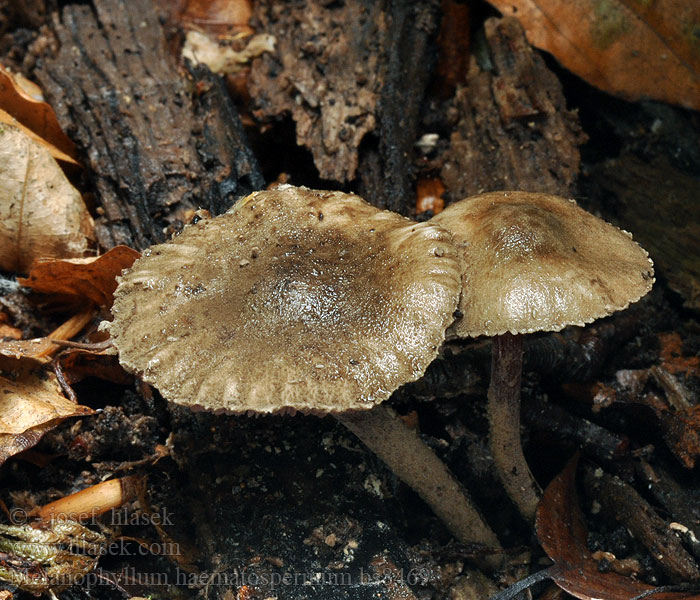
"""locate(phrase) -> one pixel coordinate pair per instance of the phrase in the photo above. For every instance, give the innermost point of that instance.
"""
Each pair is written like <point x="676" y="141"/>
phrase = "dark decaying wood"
<point x="155" y="144"/>
<point x="352" y="75"/>
<point x="634" y="512"/>
<point x="514" y="131"/>
<point x="552" y="422"/>
<point x="659" y="203"/>
<point x="386" y="172"/>
<point x="676" y="501"/>
<point x="572" y="355"/>
<point x="324" y="74"/>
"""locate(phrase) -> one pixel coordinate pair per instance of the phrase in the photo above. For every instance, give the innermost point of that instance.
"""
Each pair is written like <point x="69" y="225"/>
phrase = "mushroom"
<point x="301" y="300"/>
<point x="534" y="262"/>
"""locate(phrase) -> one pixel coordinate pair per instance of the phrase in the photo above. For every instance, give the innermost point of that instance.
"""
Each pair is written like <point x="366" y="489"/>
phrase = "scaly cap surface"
<point x="293" y="300"/>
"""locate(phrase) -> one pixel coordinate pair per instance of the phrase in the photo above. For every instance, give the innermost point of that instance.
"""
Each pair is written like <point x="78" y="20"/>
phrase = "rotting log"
<point x="658" y="203"/>
<point x="157" y="145"/>
<point x="513" y="129"/>
<point x="386" y="172"/>
<point x="354" y="92"/>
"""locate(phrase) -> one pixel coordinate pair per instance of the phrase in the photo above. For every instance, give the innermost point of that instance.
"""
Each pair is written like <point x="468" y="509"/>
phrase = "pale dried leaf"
<point x="41" y="214"/>
<point x="58" y="154"/>
<point x="32" y="401"/>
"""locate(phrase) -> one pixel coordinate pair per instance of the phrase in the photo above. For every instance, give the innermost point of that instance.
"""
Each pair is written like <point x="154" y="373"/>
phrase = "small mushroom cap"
<point x="293" y="300"/>
<point x="537" y="262"/>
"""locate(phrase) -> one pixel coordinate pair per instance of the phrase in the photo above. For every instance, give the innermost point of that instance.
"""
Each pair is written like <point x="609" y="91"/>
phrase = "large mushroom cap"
<point x="293" y="300"/>
<point x="537" y="262"/>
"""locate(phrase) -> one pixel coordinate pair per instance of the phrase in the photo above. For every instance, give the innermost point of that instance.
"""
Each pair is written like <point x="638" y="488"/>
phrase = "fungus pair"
<point x="301" y="300"/>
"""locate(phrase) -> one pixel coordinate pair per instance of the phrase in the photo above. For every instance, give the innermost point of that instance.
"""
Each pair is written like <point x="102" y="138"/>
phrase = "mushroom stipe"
<point x="302" y="300"/>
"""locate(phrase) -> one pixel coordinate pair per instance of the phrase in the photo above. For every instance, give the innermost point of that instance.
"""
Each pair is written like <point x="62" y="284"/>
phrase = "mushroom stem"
<point x="417" y="465"/>
<point x="504" y="424"/>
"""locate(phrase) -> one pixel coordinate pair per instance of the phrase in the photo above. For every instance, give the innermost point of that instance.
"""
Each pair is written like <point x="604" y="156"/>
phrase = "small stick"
<point x="623" y="502"/>
<point x="65" y="386"/>
<point x="95" y="346"/>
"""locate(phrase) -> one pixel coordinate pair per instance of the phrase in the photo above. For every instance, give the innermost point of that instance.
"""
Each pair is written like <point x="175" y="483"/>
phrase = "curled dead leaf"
<point x="91" y="278"/>
<point x="41" y="213"/>
<point x="221" y="17"/>
<point x="8" y="119"/>
<point x="635" y="50"/>
<point x="7" y="330"/>
<point x="14" y="444"/>
<point x="29" y="407"/>
<point x="17" y="102"/>
<point x="79" y="363"/>
<point x="33" y="401"/>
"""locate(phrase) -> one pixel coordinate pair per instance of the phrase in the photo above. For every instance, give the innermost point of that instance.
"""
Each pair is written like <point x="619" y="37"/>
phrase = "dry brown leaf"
<point x="33" y="401"/>
<point x="84" y="278"/>
<point x="29" y="407"/>
<point x="8" y="119"/>
<point x="34" y="114"/>
<point x="630" y="48"/>
<point x="14" y="444"/>
<point x="41" y="213"/>
<point x="562" y="532"/>
<point x="7" y="330"/>
<point x="221" y="17"/>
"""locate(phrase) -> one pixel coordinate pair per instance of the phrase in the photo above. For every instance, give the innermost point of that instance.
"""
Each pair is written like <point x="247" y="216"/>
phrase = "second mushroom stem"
<point x="419" y="467"/>
<point x="504" y="424"/>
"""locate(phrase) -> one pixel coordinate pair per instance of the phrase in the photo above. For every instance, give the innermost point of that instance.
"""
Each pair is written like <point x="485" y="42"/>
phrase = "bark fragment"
<point x="325" y="74"/>
<point x="154" y="149"/>
<point x="514" y="130"/>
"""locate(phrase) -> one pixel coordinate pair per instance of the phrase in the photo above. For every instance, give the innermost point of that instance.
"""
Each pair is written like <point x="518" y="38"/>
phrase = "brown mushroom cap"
<point x="293" y="300"/>
<point x="537" y="262"/>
